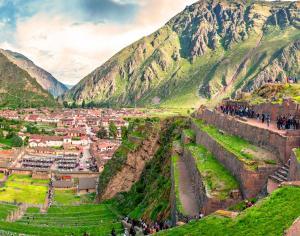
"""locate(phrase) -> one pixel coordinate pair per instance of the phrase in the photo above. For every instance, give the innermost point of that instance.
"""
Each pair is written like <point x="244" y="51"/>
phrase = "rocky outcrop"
<point x="44" y="78"/>
<point x="132" y="169"/>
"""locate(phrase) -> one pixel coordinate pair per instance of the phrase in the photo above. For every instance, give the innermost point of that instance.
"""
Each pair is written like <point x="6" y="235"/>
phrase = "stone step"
<point x="276" y="179"/>
<point x="286" y="166"/>
<point x="283" y="172"/>
<point x="280" y="176"/>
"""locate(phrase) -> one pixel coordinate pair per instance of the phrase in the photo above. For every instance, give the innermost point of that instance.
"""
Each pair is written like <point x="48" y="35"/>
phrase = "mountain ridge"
<point x="199" y="55"/>
<point x="19" y="90"/>
<point x="44" y="78"/>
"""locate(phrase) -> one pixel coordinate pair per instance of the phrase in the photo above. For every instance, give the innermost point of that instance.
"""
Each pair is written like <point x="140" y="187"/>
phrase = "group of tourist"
<point x="286" y="122"/>
<point x="264" y="117"/>
<point x="145" y="228"/>
<point x="237" y="110"/>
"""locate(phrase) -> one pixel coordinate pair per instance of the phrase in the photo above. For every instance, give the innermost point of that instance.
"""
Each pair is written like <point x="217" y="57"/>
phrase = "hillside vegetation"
<point x="271" y="216"/>
<point x="18" y="89"/>
<point x="44" y="78"/>
<point x="211" y="50"/>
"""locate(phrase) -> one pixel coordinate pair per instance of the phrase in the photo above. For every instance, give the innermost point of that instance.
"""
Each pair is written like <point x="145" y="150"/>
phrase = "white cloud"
<point x="70" y="51"/>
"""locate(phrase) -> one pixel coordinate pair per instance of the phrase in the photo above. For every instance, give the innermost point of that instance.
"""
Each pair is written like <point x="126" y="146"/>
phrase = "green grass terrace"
<point x="69" y="197"/>
<point x="68" y="220"/>
<point x="175" y="159"/>
<point x="252" y="156"/>
<point x="217" y="180"/>
<point x="24" y="189"/>
<point x="270" y="216"/>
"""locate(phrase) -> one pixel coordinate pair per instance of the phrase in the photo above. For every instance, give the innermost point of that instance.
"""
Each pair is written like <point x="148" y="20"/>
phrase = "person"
<point x="268" y="120"/>
<point x="132" y="231"/>
<point x="263" y="117"/>
<point x="113" y="232"/>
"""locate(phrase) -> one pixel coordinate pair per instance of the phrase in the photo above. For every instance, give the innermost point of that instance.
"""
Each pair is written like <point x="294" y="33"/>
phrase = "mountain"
<point x="211" y="50"/>
<point x="44" y="78"/>
<point x="19" y="90"/>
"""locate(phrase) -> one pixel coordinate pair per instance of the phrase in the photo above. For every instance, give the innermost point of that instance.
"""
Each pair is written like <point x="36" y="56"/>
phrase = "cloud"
<point x="70" y="41"/>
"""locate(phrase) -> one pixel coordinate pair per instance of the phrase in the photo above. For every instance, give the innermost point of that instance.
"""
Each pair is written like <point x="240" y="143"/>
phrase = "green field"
<point x="270" y="216"/>
<point x="69" y="197"/>
<point x="252" y="156"/>
<point x="69" y="220"/>
<point x="217" y="180"/>
<point x="22" y="188"/>
<point x="297" y="151"/>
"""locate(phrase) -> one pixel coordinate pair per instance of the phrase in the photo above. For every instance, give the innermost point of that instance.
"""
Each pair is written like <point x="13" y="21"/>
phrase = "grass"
<point x="24" y="189"/>
<point x="217" y="180"/>
<point x="175" y="159"/>
<point x="69" y="197"/>
<point x="5" y="209"/>
<point x="297" y="151"/>
<point x="270" y="216"/>
<point x="1" y="175"/>
<point x="242" y="149"/>
<point x="69" y="220"/>
<point x="189" y="133"/>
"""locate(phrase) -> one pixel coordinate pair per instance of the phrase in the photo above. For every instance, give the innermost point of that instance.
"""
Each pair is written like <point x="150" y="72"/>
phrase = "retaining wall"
<point x="294" y="173"/>
<point x="279" y="144"/>
<point x="207" y="204"/>
<point x="251" y="182"/>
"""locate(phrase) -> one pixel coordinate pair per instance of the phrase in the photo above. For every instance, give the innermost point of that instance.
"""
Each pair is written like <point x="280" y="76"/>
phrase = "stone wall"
<point x="207" y="204"/>
<point x="251" y="182"/>
<point x="173" y="198"/>
<point x="287" y="107"/>
<point x="279" y="144"/>
<point x="294" y="173"/>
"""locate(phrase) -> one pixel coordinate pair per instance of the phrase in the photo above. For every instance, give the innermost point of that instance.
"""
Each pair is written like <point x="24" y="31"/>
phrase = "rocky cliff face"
<point x="132" y="170"/>
<point x="212" y="49"/>
<point x="18" y="89"/>
<point x="44" y="78"/>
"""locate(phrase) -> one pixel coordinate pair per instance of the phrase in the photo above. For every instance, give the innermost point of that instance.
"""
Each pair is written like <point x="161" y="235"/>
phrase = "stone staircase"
<point x="281" y="174"/>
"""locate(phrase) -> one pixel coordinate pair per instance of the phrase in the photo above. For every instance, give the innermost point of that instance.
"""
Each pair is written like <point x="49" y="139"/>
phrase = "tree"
<point x="83" y="104"/>
<point x="73" y="105"/>
<point x="1" y="133"/>
<point x="16" y="141"/>
<point x="65" y="104"/>
<point x="113" y="130"/>
<point x="102" y="133"/>
<point x="124" y="132"/>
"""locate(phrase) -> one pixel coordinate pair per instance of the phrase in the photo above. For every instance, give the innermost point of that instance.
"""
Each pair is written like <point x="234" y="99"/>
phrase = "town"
<point x="62" y="144"/>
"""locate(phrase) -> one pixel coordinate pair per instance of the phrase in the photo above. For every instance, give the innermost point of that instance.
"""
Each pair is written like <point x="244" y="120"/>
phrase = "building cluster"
<point x="72" y="145"/>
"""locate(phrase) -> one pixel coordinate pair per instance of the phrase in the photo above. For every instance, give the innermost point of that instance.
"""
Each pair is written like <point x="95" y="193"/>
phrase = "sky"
<point x="70" y="38"/>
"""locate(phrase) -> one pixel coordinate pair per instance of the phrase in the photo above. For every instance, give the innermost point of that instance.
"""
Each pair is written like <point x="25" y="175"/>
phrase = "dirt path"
<point x="186" y="193"/>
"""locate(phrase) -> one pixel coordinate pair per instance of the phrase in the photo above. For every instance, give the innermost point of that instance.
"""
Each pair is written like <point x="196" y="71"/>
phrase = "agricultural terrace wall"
<point x="251" y="181"/>
<point x="280" y="145"/>
<point x="207" y="204"/>
<point x="294" y="173"/>
<point x="173" y="197"/>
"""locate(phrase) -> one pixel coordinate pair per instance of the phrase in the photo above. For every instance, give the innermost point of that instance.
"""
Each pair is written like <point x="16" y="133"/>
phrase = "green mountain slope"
<point x="18" y="89"/>
<point x="44" y="78"/>
<point x="210" y="50"/>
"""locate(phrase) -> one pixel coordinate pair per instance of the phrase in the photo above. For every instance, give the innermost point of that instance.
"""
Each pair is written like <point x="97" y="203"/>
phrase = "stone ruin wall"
<point x="294" y="173"/>
<point x="207" y="205"/>
<point x="251" y="182"/>
<point x="287" y="107"/>
<point x="280" y="145"/>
